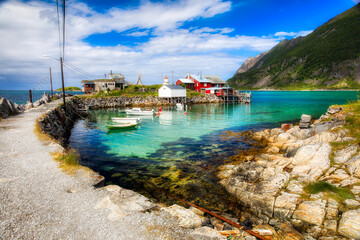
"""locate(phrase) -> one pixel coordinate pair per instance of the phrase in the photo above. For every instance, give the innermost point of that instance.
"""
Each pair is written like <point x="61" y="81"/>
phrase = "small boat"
<point x="126" y="120"/>
<point x="179" y="106"/>
<point x="138" y="111"/>
<point x="121" y="126"/>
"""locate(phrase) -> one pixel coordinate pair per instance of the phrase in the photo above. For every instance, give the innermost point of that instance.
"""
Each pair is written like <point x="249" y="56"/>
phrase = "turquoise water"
<point x="191" y="143"/>
<point x="22" y="96"/>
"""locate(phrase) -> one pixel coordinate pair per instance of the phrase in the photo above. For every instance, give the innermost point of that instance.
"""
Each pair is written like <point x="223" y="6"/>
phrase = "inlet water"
<point x="180" y="152"/>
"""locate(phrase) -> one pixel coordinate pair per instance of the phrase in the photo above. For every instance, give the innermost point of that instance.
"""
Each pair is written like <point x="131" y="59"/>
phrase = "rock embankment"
<point x="271" y="184"/>
<point x="120" y="102"/>
<point x="58" y="122"/>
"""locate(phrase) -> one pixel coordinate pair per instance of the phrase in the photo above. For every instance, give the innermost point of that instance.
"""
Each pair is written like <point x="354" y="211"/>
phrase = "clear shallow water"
<point x="22" y="96"/>
<point x="179" y="152"/>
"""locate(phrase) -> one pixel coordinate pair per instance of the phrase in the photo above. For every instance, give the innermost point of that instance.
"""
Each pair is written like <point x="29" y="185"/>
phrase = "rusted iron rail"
<point x="213" y="214"/>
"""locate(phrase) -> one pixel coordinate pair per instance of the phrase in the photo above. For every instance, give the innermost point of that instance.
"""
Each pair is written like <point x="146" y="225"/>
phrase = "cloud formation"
<point x="30" y="30"/>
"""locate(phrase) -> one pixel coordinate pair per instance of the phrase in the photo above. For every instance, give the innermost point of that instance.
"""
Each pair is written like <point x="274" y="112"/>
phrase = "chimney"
<point x="188" y="75"/>
<point x="200" y="75"/>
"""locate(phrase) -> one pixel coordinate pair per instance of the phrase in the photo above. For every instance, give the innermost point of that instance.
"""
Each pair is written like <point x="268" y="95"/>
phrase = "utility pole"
<point x="172" y="77"/>
<point x="52" y="94"/>
<point x="62" y="80"/>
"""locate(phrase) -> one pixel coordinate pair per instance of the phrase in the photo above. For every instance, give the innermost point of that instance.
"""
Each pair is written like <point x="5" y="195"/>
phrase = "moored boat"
<point x="121" y="126"/>
<point x="126" y="120"/>
<point x="138" y="111"/>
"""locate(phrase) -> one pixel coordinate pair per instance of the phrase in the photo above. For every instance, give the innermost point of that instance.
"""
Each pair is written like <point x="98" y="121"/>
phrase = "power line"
<point x="80" y="76"/>
<point x="79" y="69"/>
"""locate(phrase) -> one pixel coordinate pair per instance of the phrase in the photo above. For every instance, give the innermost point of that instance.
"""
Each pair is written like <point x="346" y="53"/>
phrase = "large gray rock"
<point x="305" y="121"/>
<point x="207" y="233"/>
<point x="353" y="165"/>
<point x="186" y="217"/>
<point x="349" y="225"/>
<point x="332" y="110"/>
<point x="312" y="212"/>
<point x="7" y="108"/>
<point x="285" y="205"/>
<point x="311" y="161"/>
<point x="344" y="155"/>
<point x="122" y="202"/>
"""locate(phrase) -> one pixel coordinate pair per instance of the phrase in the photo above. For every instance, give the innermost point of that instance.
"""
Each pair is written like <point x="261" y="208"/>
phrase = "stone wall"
<point x="119" y="102"/>
<point x="58" y="122"/>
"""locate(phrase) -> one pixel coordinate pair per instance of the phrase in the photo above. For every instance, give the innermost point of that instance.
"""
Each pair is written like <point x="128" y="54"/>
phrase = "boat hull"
<point x="120" y="126"/>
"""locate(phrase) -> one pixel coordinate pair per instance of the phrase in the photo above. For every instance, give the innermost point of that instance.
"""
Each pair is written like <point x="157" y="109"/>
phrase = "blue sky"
<point x="152" y="38"/>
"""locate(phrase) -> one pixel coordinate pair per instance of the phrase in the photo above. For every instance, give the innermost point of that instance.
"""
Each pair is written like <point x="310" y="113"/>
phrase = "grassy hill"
<point x="327" y="58"/>
<point x="68" y="89"/>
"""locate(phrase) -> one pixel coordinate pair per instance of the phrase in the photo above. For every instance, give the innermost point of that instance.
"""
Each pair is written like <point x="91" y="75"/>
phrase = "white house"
<point x="171" y="91"/>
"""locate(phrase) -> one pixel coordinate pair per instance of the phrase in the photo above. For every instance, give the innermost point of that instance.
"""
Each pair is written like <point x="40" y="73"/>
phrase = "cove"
<point x="179" y="152"/>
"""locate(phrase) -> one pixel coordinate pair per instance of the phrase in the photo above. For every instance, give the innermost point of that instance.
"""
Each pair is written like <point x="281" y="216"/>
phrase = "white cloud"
<point x="292" y="34"/>
<point x="30" y="30"/>
<point x="138" y="33"/>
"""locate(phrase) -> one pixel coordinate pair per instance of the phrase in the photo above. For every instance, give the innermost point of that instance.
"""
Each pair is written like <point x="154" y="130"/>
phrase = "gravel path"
<point x="39" y="201"/>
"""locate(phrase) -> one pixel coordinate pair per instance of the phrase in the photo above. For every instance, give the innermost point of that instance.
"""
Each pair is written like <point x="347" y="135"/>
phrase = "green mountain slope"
<point x="328" y="58"/>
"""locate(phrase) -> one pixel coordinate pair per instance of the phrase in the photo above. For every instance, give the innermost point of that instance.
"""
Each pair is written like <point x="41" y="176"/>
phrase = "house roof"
<point x="116" y="75"/>
<point x="104" y="80"/>
<point x="201" y="80"/>
<point x="185" y="80"/>
<point x="87" y="82"/>
<point x="174" y="87"/>
<point x="214" y="79"/>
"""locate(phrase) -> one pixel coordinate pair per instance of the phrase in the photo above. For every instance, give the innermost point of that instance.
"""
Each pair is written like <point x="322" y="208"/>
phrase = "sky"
<point x="151" y="38"/>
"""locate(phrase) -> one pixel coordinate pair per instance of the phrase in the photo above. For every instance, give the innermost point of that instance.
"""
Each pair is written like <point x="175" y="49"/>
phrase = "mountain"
<point x="327" y="58"/>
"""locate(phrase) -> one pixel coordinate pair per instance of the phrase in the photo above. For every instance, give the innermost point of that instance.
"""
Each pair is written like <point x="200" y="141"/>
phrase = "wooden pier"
<point x="237" y="96"/>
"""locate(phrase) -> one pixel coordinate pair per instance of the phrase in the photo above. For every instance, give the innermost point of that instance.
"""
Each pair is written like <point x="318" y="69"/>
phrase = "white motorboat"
<point x="179" y="106"/>
<point x="138" y="111"/>
<point x="121" y="126"/>
<point x="126" y="120"/>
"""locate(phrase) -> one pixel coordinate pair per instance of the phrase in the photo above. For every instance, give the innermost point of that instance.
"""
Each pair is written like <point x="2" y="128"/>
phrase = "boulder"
<point x="285" y="205"/>
<point x="295" y="187"/>
<point x="312" y="212"/>
<point x="351" y="203"/>
<point x="7" y="108"/>
<point x="207" y="233"/>
<point x="332" y="110"/>
<point x="305" y="121"/>
<point x="349" y="225"/>
<point x="186" y="217"/>
<point x="311" y="161"/>
<point x="344" y="155"/>
<point x="353" y="165"/>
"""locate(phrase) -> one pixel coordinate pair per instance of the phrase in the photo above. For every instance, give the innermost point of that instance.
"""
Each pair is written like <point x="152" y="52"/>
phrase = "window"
<point x="205" y="85"/>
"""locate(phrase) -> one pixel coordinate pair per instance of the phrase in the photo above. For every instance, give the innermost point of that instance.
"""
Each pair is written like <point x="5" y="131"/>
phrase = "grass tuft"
<point x="339" y="194"/>
<point x="43" y="137"/>
<point x="69" y="160"/>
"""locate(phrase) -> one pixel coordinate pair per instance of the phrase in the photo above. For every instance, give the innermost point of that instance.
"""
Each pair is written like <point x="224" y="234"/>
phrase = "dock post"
<point x="30" y="96"/>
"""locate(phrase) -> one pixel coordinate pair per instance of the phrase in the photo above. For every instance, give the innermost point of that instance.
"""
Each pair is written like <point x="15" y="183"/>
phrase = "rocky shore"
<point x="273" y="184"/>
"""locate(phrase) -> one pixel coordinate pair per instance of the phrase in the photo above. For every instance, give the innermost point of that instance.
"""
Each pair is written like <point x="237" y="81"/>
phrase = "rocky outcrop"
<point x="7" y="108"/>
<point x="271" y="184"/>
<point x="350" y="224"/>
